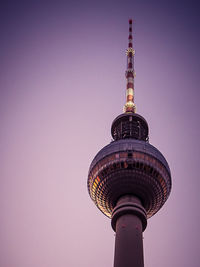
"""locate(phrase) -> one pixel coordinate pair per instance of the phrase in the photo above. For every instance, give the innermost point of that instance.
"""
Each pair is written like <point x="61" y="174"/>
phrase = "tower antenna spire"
<point x="130" y="52"/>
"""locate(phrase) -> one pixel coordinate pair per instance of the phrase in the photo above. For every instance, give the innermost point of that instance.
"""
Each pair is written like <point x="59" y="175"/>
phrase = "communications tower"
<point x="129" y="180"/>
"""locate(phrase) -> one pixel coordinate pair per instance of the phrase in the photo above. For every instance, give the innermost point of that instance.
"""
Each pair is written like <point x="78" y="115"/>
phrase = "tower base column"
<point x="129" y="221"/>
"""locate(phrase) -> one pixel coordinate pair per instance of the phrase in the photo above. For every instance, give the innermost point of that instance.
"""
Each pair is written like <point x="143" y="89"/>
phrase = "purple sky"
<point x="62" y="83"/>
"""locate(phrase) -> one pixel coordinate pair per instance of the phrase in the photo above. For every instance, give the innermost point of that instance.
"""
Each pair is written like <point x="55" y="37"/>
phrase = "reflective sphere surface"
<point x="129" y="166"/>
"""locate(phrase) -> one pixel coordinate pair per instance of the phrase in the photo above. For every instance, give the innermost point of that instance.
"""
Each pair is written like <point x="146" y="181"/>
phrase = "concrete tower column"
<point x="129" y="221"/>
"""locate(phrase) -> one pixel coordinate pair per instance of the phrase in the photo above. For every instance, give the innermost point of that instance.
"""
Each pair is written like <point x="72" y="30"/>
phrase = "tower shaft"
<point x="129" y="221"/>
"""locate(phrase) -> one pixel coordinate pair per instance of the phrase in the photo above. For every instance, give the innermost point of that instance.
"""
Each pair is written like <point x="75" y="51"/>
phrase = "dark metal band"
<point x="129" y="208"/>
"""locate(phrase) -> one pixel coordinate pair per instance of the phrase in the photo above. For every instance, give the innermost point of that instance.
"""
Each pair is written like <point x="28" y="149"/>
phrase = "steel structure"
<point x="129" y="180"/>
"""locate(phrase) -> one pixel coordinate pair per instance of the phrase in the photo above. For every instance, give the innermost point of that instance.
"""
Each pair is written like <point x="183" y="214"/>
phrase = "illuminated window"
<point x="117" y="156"/>
<point x="125" y="165"/>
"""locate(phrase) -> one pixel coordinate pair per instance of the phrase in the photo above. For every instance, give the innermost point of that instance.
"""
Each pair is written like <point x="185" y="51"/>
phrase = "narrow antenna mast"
<point x="130" y="52"/>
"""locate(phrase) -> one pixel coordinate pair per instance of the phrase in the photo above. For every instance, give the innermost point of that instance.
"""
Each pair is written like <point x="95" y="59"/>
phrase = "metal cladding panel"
<point x="129" y="145"/>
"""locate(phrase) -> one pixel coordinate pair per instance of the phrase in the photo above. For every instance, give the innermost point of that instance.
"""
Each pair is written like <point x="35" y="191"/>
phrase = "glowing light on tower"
<point x="129" y="180"/>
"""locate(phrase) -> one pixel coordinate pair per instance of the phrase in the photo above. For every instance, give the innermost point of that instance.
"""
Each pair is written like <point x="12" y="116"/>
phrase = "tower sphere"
<point x="129" y="165"/>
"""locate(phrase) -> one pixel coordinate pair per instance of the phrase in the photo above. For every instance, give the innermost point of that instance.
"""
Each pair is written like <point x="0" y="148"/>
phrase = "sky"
<point x="62" y="83"/>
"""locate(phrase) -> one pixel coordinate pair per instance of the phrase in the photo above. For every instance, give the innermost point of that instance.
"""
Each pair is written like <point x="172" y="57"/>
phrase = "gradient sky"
<point x="62" y="83"/>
